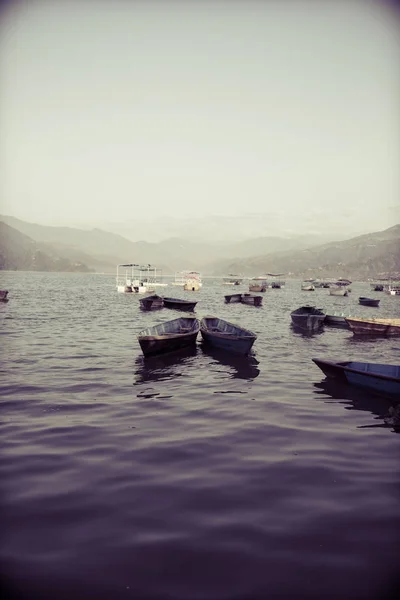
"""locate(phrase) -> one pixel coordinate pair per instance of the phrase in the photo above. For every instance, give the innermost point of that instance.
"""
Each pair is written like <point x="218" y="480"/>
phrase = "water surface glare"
<point x="194" y="476"/>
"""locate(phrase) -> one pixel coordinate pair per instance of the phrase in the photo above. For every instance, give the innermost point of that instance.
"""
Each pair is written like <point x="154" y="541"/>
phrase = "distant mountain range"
<point x="19" y="252"/>
<point x="32" y="246"/>
<point x="369" y="255"/>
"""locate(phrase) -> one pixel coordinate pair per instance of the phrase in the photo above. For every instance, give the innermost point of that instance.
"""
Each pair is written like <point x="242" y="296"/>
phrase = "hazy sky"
<point x="116" y="110"/>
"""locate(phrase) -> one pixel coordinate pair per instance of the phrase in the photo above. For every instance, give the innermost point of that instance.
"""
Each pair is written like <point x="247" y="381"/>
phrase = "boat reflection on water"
<point x="164" y="366"/>
<point x="358" y="399"/>
<point x="305" y="332"/>
<point x="242" y="367"/>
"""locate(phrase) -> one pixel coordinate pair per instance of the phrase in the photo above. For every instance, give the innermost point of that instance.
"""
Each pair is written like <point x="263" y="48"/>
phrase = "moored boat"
<point x="338" y="290"/>
<point x="381" y="378"/>
<point x="392" y="289"/>
<point x="192" y="285"/>
<point x="233" y="279"/>
<point x="368" y="301"/>
<point x="308" y="318"/>
<point x="151" y="302"/>
<point x="251" y="300"/>
<point x="151" y="277"/>
<point x="178" y="304"/>
<point x="377" y="286"/>
<point x="128" y="279"/>
<point x="232" y="298"/>
<point x="336" y="319"/>
<point x="3" y="296"/>
<point x="169" y="336"/>
<point x="274" y="280"/>
<point x="226" y="336"/>
<point x="188" y="280"/>
<point x="307" y="287"/>
<point x="387" y="327"/>
<point x="258" y="284"/>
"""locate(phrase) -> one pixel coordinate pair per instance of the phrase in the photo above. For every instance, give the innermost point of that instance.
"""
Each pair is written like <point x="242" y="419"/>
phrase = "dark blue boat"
<point x="231" y="298"/>
<point x="169" y="336"/>
<point x="178" y="304"/>
<point x="151" y="302"/>
<point x="226" y="336"/>
<point x="368" y="301"/>
<point x="308" y="318"/>
<point x="380" y="378"/>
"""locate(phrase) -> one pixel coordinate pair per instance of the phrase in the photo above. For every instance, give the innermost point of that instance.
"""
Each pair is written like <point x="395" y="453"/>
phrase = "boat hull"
<point x="308" y="322"/>
<point x="368" y="301"/>
<point x="169" y="336"/>
<point x="338" y="292"/>
<point x="382" y="379"/>
<point x="251" y="300"/>
<point x="177" y="304"/>
<point x="151" y="303"/>
<point x="257" y="288"/>
<point x="336" y="321"/>
<point x="384" y="327"/>
<point x="308" y="318"/>
<point x="226" y="336"/>
<point x="232" y="298"/>
<point x="192" y="286"/>
<point x="155" y="345"/>
<point x="228" y="343"/>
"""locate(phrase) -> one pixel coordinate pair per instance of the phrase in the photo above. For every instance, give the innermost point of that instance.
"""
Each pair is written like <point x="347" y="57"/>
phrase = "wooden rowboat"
<point x="338" y="291"/>
<point x="380" y="378"/>
<point x="257" y="287"/>
<point x="151" y="302"/>
<point x="226" y="336"/>
<point x="308" y="318"/>
<point x="252" y="300"/>
<point x="169" y="336"/>
<point x="386" y="327"/>
<point x="178" y="304"/>
<point x="232" y="298"/>
<point x="368" y="301"/>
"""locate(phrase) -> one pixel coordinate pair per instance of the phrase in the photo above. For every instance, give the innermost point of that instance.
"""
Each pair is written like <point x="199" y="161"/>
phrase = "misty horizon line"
<point x="283" y="233"/>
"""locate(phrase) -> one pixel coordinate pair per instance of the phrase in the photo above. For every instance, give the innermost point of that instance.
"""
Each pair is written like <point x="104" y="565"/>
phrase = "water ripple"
<point x="195" y="475"/>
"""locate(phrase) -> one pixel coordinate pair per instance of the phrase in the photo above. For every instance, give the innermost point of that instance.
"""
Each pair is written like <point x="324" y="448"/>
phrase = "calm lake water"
<point x="190" y="477"/>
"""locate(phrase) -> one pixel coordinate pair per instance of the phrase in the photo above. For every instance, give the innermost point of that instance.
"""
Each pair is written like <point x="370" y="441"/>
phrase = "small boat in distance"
<point x="393" y="289"/>
<point x="368" y="301"/>
<point x="258" y="284"/>
<point x="378" y="285"/>
<point x="340" y="287"/>
<point x="338" y="290"/>
<point x="232" y="279"/>
<point x="3" y="296"/>
<point x="251" y="300"/>
<point x="184" y="278"/>
<point x="128" y="279"/>
<point x="151" y="302"/>
<point x="150" y="278"/>
<point x="380" y="378"/>
<point x="308" y="318"/>
<point x="386" y="327"/>
<point x="169" y="336"/>
<point x="178" y="304"/>
<point x="274" y="280"/>
<point x="226" y="336"/>
<point x="307" y="286"/>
